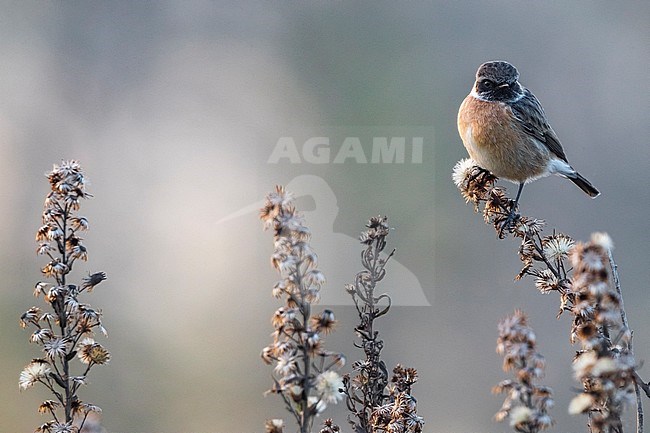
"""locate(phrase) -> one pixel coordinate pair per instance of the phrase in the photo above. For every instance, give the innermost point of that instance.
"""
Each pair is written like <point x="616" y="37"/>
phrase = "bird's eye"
<point x="487" y="84"/>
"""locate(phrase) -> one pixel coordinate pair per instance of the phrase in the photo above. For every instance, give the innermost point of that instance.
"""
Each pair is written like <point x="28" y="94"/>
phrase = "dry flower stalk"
<point x="66" y="329"/>
<point x="605" y="365"/>
<point x="305" y="372"/>
<point x="580" y="273"/>
<point x="527" y="403"/>
<point x="377" y="405"/>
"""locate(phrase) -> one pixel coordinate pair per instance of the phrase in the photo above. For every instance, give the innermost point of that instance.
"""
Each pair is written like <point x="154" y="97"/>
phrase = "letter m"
<point x="388" y="152"/>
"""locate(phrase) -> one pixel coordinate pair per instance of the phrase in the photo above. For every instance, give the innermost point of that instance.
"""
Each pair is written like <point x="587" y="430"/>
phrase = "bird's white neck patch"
<point x="475" y="94"/>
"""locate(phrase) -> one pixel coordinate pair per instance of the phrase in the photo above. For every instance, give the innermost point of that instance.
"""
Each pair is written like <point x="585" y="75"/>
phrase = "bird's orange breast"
<point x="497" y="142"/>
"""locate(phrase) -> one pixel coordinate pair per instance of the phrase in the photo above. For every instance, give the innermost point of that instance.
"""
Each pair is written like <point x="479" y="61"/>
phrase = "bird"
<point x="505" y="131"/>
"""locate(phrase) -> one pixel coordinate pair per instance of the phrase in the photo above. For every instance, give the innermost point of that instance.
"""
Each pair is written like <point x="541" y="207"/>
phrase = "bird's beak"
<point x="503" y="85"/>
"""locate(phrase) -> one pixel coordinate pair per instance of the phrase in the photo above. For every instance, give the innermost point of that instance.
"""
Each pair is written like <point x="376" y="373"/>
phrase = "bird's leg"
<point x="513" y="216"/>
<point x="521" y="188"/>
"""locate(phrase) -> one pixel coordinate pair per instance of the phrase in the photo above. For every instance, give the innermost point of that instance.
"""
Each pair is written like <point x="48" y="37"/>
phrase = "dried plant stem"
<point x="637" y="390"/>
<point x="644" y="386"/>
<point x="639" y="409"/>
<point x="617" y="284"/>
<point x="307" y="420"/>
<point x="63" y="319"/>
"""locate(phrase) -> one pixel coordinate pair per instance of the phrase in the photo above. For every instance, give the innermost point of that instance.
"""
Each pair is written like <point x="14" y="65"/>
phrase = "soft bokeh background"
<point x="173" y="109"/>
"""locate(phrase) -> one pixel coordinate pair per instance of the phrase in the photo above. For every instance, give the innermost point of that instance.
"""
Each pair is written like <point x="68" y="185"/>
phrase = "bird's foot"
<point x="508" y="224"/>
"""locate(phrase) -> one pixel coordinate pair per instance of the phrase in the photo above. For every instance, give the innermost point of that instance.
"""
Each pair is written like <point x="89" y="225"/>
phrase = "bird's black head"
<point x="497" y="81"/>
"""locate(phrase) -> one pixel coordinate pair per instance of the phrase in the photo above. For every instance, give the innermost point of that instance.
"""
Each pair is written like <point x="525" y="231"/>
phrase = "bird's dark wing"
<point x="530" y="113"/>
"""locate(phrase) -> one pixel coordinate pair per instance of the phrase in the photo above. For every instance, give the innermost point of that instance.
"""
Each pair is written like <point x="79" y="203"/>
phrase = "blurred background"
<point x="174" y="110"/>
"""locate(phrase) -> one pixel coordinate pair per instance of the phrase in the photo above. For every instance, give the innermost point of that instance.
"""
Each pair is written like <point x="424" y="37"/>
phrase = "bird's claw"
<point x="508" y="225"/>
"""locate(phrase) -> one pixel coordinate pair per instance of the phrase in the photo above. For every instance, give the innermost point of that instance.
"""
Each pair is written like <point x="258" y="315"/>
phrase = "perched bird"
<point x="504" y="129"/>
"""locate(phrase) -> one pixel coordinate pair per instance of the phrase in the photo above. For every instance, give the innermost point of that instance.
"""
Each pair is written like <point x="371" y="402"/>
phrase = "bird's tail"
<point x="583" y="184"/>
